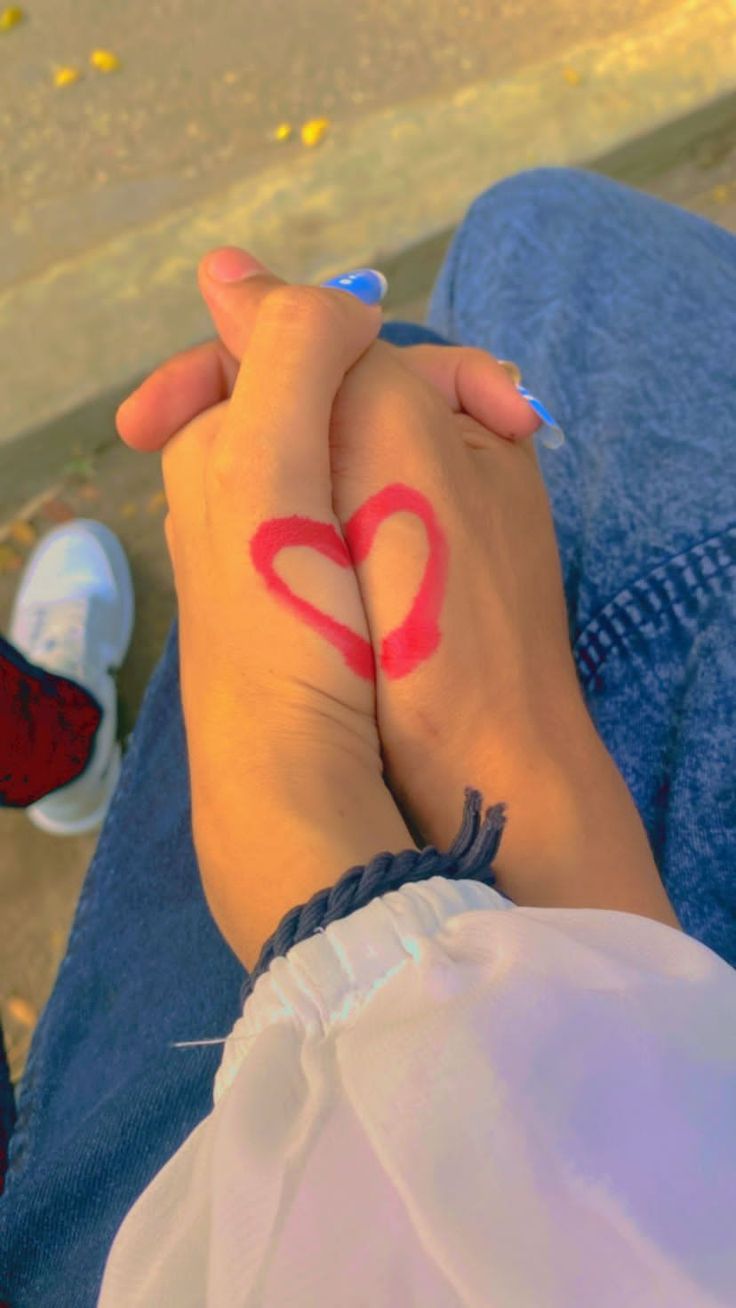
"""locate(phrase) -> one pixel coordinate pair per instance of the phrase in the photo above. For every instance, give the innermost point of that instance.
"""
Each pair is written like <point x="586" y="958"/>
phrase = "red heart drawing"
<point x="418" y="635"/>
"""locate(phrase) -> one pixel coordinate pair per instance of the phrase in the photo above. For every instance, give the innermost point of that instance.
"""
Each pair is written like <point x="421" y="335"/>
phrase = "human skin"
<point x="573" y="834"/>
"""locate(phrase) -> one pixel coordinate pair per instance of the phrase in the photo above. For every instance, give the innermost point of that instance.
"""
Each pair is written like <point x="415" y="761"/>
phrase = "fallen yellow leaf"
<point x="572" y="76"/>
<point x="9" y="17"/>
<point x="22" y="1010"/>
<point x="9" y="560"/>
<point x="314" y="130"/>
<point x="129" y="510"/>
<point x="105" y="60"/>
<point x="57" y="510"/>
<point x="157" y="501"/>
<point x="719" y="194"/>
<point x="283" y="132"/>
<point x="23" y="532"/>
<point x="63" y="76"/>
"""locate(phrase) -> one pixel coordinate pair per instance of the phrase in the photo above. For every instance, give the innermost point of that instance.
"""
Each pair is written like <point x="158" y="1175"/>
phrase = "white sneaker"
<point x="74" y="614"/>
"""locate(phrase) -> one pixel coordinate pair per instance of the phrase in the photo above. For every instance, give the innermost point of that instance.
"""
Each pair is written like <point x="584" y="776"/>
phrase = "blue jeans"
<point x="619" y="309"/>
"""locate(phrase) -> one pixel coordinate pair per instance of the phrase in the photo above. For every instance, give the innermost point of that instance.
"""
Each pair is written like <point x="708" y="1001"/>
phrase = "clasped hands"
<point x="371" y="608"/>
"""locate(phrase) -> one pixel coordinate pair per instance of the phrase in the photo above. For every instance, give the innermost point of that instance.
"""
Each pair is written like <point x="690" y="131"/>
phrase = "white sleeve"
<point x="445" y="1099"/>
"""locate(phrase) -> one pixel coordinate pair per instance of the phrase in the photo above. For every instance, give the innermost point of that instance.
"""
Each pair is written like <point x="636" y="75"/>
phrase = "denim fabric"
<point x="620" y="311"/>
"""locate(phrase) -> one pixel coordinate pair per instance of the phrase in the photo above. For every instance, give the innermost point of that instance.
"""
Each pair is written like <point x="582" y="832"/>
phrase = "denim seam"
<point x="649" y="599"/>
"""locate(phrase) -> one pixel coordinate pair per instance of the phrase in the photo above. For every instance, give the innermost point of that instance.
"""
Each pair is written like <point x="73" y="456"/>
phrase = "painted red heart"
<point x="418" y="635"/>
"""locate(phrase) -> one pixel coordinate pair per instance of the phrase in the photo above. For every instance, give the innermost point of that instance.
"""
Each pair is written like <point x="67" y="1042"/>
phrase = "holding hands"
<point x="368" y="586"/>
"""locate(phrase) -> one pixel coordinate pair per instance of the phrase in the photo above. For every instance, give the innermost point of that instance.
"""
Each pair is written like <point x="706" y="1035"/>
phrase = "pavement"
<point x="395" y="120"/>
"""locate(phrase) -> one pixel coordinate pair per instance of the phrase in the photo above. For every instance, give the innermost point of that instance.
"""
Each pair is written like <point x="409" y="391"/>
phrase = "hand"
<point x="493" y="700"/>
<point x="269" y="704"/>
<point x="409" y="412"/>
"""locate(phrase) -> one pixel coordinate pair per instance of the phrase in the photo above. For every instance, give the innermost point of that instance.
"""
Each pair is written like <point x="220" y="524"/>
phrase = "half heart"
<point x="417" y="637"/>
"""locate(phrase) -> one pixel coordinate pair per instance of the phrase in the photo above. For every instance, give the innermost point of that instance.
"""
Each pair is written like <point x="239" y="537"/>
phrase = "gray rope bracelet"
<point x="468" y="858"/>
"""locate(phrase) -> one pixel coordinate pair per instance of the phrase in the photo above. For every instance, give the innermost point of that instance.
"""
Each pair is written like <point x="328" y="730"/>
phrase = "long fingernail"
<point x="551" y="434"/>
<point x="367" y="284"/>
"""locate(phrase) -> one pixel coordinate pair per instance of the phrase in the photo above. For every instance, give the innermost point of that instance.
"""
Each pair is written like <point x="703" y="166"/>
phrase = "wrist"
<point x="300" y="822"/>
<point x="574" y="837"/>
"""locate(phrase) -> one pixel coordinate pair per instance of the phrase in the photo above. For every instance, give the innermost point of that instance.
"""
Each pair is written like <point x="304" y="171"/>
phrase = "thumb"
<point x="224" y="277"/>
<point x="232" y="303"/>
<point x="273" y="448"/>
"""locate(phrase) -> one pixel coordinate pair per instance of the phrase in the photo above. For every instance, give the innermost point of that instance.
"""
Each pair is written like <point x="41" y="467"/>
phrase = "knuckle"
<point x="290" y="307"/>
<point x="221" y="467"/>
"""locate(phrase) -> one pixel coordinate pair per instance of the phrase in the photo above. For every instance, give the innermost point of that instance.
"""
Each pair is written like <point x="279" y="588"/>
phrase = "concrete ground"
<point x="70" y="463"/>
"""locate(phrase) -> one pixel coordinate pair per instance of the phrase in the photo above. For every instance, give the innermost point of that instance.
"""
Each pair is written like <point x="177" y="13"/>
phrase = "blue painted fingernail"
<point x="551" y="434"/>
<point x="366" y="284"/>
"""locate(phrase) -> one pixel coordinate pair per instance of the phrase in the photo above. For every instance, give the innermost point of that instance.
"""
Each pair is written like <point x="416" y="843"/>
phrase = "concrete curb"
<point x="373" y="191"/>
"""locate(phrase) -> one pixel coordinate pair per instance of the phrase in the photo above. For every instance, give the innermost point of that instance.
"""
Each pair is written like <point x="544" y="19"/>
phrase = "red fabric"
<point x="47" y="729"/>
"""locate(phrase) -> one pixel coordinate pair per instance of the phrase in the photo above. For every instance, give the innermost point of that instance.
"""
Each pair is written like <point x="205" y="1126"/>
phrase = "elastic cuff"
<point x="468" y="858"/>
